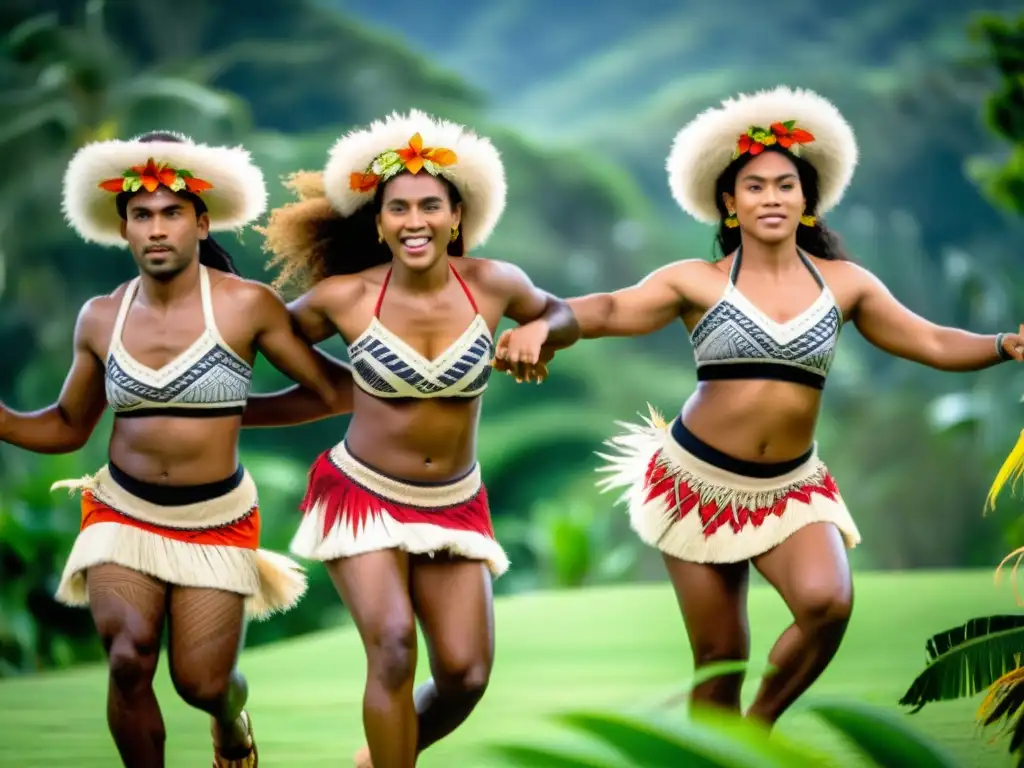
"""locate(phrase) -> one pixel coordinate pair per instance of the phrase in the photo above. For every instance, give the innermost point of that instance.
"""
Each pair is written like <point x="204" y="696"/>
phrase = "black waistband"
<point x="182" y="413"/>
<point x="760" y="369"/>
<point x="175" y="495"/>
<point x="693" y="444"/>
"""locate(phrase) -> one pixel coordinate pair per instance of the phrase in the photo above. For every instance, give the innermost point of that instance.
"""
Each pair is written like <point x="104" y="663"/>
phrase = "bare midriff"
<point x="761" y="421"/>
<point x="417" y="440"/>
<point x="175" y="451"/>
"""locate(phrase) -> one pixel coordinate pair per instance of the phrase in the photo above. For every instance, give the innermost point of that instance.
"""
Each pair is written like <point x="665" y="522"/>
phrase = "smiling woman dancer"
<point x="397" y="510"/>
<point x="736" y="478"/>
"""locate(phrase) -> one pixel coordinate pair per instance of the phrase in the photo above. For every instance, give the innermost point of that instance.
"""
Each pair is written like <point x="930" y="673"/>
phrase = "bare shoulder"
<point x="686" y="274"/>
<point x="96" y="319"/>
<point x="844" y="274"/>
<point x="692" y="268"/>
<point x="100" y="312"/>
<point x="491" y="275"/>
<point x="340" y="292"/>
<point x="243" y="294"/>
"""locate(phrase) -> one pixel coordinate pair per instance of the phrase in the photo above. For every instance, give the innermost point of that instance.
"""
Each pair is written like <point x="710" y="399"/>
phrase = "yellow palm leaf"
<point x="1010" y="472"/>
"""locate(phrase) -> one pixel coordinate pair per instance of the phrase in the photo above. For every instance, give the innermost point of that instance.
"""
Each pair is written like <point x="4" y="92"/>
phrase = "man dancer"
<point x="170" y="527"/>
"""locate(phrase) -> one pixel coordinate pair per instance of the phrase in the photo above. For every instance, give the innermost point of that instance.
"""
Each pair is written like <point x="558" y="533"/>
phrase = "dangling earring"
<point x="731" y="221"/>
<point x="380" y="236"/>
<point x="807" y="220"/>
<point x="455" y="233"/>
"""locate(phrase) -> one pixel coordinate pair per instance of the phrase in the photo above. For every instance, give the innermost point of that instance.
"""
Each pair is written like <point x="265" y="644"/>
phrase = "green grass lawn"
<point x="621" y="648"/>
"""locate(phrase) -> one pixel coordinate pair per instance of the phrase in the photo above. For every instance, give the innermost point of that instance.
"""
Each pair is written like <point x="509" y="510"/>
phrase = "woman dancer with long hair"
<point x="735" y="479"/>
<point x="397" y="510"/>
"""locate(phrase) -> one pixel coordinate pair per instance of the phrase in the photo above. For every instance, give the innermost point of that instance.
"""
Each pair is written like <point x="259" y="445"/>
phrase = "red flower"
<point x="363" y="182"/>
<point x="787" y="135"/>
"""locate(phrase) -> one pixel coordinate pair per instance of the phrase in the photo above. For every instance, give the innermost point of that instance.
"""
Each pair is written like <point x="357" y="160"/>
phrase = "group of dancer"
<point x="397" y="511"/>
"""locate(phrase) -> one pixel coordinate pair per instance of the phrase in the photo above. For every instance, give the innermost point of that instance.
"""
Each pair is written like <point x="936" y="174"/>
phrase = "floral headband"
<point x="784" y="134"/>
<point x="412" y="158"/>
<point x="151" y="175"/>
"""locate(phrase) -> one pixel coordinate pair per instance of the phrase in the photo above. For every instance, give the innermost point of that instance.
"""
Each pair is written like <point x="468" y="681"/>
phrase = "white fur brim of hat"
<point x="705" y="146"/>
<point x="238" y="196"/>
<point x="477" y="173"/>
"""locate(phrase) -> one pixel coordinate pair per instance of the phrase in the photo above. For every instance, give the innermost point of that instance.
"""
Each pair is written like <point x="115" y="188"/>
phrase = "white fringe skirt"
<point x="211" y="543"/>
<point x="351" y="508"/>
<point x="696" y="504"/>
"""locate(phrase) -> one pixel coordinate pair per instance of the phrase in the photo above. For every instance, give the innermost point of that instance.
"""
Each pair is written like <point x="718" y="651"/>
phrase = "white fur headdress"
<point x="224" y="178"/>
<point x="361" y="159"/>
<point x="711" y="141"/>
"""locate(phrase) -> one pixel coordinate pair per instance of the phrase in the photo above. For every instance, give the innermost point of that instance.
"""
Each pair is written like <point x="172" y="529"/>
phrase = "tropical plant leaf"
<point x="701" y="676"/>
<point x="710" y="741"/>
<point x="789" y="751"/>
<point x="881" y="736"/>
<point x="205" y="100"/>
<point x="967" y="660"/>
<point x="548" y="757"/>
<point x="1005" y="701"/>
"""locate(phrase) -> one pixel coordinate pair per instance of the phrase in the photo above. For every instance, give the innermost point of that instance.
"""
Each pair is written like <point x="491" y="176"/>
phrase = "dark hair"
<point x="818" y="240"/>
<point x="310" y="241"/>
<point x="211" y="253"/>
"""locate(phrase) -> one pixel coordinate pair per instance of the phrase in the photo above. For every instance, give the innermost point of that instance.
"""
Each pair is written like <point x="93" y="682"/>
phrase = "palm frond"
<point x="1019" y="554"/>
<point x="1011" y="472"/>
<point x="967" y="660"/>
<point x="1005" y="701"/>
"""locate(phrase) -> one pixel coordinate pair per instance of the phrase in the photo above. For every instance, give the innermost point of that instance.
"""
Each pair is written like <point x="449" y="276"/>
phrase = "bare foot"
<point x="361" y="759"/>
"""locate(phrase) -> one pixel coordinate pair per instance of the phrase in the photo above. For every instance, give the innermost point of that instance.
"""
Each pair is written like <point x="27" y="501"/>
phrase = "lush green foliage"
<point x="716" y="740"/>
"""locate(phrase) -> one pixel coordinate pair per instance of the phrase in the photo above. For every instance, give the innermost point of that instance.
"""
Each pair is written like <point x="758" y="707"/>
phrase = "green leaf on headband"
<point x="136" y="185"/>
<point x="131" y="174"/>
<point x="789" y="124"/>
<point x="184" y="174"/>
<point x="126" y="185"/>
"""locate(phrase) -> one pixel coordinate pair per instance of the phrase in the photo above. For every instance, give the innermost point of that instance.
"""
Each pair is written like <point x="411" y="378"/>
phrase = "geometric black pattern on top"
<point x="206" y="378"/>
<point x="386" y="366"/>
<point x="216" y="378"/>
<point x="728" y="334"/>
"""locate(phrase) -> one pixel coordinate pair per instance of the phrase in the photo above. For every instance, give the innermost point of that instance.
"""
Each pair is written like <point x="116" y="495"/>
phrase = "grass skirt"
<point x="351" y="508"/>
<point x="701" y="512"/>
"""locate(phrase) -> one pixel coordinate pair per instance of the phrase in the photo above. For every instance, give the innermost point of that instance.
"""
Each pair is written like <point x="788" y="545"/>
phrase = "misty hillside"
<point x="623" y="77"/>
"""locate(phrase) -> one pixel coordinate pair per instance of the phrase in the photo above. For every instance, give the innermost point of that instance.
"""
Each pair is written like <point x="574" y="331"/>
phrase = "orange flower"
<point x="195" y="186"/>
<point x="363" y="182"/>
<point x="150" y="176"/>
<point x="788" y="135"/>
<point x="414" y="155"/>
<point x="756" y="139"/>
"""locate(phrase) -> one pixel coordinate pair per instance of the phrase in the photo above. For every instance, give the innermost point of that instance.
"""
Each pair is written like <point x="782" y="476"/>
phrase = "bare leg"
<point x="206" y="637"/>
<point x="375" y="589"/>
<point x="811" y="572"/>
<point x="713" y="600"/>
<point x="128" y="610"/>
<point x="452" y="598"/>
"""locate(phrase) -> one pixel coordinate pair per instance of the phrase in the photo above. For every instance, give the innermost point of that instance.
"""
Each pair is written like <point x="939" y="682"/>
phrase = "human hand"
<point x="1012" y="344"/>
<point x="520" y="352"/>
